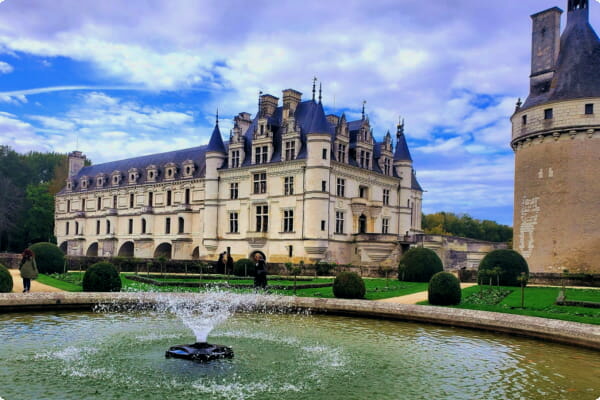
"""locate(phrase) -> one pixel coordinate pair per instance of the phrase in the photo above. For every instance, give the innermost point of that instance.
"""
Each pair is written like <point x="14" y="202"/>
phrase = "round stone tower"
<point x="556" y="140"/>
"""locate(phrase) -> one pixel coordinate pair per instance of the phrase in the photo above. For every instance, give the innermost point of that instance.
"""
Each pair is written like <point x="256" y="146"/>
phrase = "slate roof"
<point x="216" y="141"/>
<point x="402" y="153"/>
<point x="577" y="72"/>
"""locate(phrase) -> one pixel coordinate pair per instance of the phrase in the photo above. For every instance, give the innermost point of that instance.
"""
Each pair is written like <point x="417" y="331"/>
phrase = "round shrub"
<point x="348" y="285"/>
<point x="510" y="264"/>
<point x="48" y="257"/>
<point x="101" y="277"/>
<point x="6" y="281"/>
<point x="444" y="289"/>
<point x="244" y="266"/>
<point x="419" y="265"/>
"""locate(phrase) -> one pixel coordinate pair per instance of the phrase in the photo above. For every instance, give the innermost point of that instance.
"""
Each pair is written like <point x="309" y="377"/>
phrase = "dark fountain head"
<point x="200" y="351"/>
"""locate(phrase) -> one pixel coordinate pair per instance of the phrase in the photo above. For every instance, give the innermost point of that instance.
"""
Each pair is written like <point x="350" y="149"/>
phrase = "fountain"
<point x="120" y="353"/>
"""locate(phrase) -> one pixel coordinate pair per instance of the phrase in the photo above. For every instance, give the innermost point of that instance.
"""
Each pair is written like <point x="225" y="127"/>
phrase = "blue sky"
<point x="119" y="79"/>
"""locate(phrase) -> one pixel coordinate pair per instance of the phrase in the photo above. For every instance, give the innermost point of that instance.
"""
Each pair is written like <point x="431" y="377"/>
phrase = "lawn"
<point x="539" y="302"/>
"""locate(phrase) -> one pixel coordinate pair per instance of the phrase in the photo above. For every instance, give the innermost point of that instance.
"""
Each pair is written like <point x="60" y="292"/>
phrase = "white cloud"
<point x="5" y="68"/>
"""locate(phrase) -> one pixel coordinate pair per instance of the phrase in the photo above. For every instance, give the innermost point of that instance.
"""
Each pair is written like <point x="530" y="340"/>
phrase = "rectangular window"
<point x="363" y="192"/>
<point x="99" y="203"/>
<point x="361" y="161"/>
<point x="589" y="109"/>
<point x="168" y="225"/>
<point x="290" y="150"/>
<point x="82" y="204"/>
<point x="68" y="205"/>
<point x="524" y="120"/>
<point x="386" y="197"/>
<point x="341" y="187"/>
<point x="385" y="225"/>
<point x="180" y="225"/>
<point x="367" y="160"/>
<point x="66" y="228"/>
<point x="262" y="218"/>
<point x="150" y="199"/>
<point x="341" y="152"/>
<point x="548" y="114"/>
<point x="322" y="225"/>
<point x="97" y="227"/>
<point x="130" y="228"/>
<point x="261" y="154"/>
<point x="233" y="222"/>
<point x="187" y="196"/>
<point x="288" y="220"/>
<point x="387" y="166"/>
<point x="131" y="198"/>
<point x="169" y="197"/>
<point x="115" y="201"/>
<point x="233" y="190"/>
<point x="339" y="222"/>
<point x="260" y="183"/>
<point x="324" y="154"/>
<point x="288" y="185"/>
<point x="235" y="158"/>
<point x="323" y="186"/>
<point x="108" y="227"/>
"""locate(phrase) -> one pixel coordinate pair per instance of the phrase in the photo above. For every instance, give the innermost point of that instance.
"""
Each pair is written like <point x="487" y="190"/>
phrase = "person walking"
<point x="28" y="269"/>
<point x="260" y="279"/>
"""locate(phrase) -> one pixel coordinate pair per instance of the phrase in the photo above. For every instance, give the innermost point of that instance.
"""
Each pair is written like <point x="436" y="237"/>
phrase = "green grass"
<point x="58" y="283"/>
<point x="539" y="302"/>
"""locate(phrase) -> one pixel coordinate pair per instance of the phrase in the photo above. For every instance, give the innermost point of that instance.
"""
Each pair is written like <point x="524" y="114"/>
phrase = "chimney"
<point x="545" y="46"/>
<point x="268" y="105"/>
<point x="291" y="98"/>
<point x="578" y="11"/>
<point x="76" y="162"/>
<point x="243" y="121"/>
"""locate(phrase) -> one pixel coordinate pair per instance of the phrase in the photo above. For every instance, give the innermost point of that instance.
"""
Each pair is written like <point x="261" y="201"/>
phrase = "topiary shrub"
<point x="101" y="277"/>
<point x="48" y="257"/>
<point x="6" y="281"/>
<point x="348" y="285"/>
<point x="419" y="265"/>
<point x="324" y="268"/>
<point x="444" y="289"/>
<point x="511" y="264"/>
<point x="244" y="266"/>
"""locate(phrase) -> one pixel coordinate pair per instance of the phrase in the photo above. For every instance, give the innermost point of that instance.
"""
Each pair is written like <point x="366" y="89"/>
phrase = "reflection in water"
<point x="121" y="356"/>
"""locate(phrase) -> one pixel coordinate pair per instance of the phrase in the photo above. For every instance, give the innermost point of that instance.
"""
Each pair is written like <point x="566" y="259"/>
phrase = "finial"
<point x="400" y="127"/>
<point x="518" y="105"/>
<point x="319" y="92"/>
<point x="259" y="103"/>
<point x="363" y="109"/>
<point x="314" y="85"/>
<point x="217" y="117"/>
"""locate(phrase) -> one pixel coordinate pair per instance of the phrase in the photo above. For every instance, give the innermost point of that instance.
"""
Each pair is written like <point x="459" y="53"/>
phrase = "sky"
<point x="117" y="79"/>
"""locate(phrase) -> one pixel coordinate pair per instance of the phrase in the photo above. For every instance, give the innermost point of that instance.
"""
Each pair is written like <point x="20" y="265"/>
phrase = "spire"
<point x="259" y="103"/>
<point x="216" y="142"/>
<point x="319" y="92"/>
<point x="217" y="117"/>
<point x="363" y="109"/>
<point x="314" y="85"/>
<point x="402" y="153"/>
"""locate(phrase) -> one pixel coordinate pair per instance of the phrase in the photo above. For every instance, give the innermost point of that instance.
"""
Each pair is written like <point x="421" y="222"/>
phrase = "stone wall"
<point x="458" y="252"/>
<point x="10" y="260"/>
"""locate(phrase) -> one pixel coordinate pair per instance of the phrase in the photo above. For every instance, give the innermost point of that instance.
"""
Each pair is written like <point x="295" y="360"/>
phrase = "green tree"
<point x="38" y="223"/>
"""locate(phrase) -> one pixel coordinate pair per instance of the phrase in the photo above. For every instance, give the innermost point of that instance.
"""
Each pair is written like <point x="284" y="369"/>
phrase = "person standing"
<point x="229" y="265"/>
<point x="260" y="279"/>
<point x="221" y="263"/>
<point x="28" y="269"/>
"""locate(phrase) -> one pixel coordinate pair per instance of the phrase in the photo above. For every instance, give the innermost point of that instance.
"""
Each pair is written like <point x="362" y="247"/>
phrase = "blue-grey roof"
<point x="414" y="183"/>
<point x="577" y="73"/>
<point x="216" y="141"/>
<point x="402" y="153"/>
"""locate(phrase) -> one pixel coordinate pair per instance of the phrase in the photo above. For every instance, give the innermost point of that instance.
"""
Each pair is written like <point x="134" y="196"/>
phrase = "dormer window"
<point x="83" y="182"/>
<point x="235" y="159"/>
<point x="170" y="171"/>
<point x="188" y="168"/>
<point x="151" y="173"/>
<point x="290" y="150"/>
<point x="261" y="153"/>
<point x="100" y="180"/>
<point x="116" y="178"/>
<point x="134" y="175"/>
<point x="387" y="166"/>
<point x="365" y="158"/>
<point x="69" y="185"/>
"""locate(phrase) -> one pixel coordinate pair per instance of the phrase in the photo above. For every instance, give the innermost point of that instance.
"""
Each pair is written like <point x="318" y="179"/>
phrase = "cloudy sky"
<point x="118" y="79"/>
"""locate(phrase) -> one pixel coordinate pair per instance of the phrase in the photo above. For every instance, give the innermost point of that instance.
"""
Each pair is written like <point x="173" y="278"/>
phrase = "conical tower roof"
<point x="216" y="141"/>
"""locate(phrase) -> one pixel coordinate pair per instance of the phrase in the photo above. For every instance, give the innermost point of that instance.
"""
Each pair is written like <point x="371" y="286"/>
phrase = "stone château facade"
<point x="292" y="183"/>
<point x="556" y="140"/>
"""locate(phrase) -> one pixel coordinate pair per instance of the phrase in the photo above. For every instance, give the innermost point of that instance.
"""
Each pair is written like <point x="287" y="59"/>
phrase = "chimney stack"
<point x="545" y="46"/>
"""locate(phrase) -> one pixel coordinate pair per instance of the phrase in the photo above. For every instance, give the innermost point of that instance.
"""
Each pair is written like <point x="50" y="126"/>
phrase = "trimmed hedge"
<point x="101" y="277"/>
<point x="244" y="266"/>
<point x="6" y="280"/>
<point x="348" y="285"/>
<point x="48" y="257"/>
<point x="419" y="265"/>
<point x="510" y="262"/>
<point x="444" y="289"/>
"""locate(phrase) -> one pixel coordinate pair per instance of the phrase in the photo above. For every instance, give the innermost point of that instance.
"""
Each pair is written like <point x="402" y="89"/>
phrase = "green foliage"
<point x="101" y="277"/>
<point x="6" y="281"/>
<point x="348" y="285"/>
<point x="244" y="266"/>
<point x="444" y="289"/>
<point x="419" y="265"/>
<point x="324" y="268"/>
<point x="39" y="217"/>
<point x="510" y="262"/>
<point x="445" y="223"/>
<point x="49" y="258"/>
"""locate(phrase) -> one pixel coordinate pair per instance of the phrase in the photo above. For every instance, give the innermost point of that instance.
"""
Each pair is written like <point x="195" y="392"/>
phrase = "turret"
<point x="215" y="157"/>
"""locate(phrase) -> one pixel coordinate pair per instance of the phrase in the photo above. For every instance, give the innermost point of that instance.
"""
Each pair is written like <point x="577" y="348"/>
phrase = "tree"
<point x="39" y="215"/>
<point x="11" y="206"/>
<point x="444" y="223"/>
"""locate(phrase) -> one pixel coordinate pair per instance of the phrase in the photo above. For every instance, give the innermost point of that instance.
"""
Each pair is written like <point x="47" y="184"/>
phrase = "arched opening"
<point x="196" y="253"/>
<point x="362" y="224"/>
<point x="63" y="247"/>
<point x="92" y="251"/>
<point x="163" y="250"/>
<point x="258" y="252"/>
<point x="126" y="250"/>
